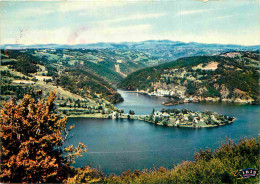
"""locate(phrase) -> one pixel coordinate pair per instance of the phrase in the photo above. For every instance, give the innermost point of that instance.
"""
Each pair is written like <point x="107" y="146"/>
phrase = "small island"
<point x="178" y="118"/>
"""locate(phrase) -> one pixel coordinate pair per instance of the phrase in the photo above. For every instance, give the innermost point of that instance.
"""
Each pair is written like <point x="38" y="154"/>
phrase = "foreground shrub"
<point x="32" y="137"/>
<point x="219" y="166"/>
<point x="86" y="175"/>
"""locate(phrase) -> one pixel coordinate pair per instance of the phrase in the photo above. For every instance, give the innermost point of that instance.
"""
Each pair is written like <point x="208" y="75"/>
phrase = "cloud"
<point x="127" y="29"/>
<point x="191" y="12"/>
<point x="203" y="0"/>
<point x="89" y="5"/>
<point x="81" y="35"/>
<point x="103" y="33"/>
<point x="26" y="13"/>
<point x="88" y="34"/>
<point x="245" y="38"/>
<point x="38" y="36"/>
<point x="102" y="21"/>
<point x="135" y="17"/>
<point x="224" y="16"/>
<point x="36" y="11"/>
<point x="67" y="6"/>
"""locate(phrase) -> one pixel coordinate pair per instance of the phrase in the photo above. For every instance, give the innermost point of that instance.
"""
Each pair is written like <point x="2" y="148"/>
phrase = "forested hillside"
<point x="21" y="61"/>
<point x="88" y="85"/>
<point x="114" y="61"/>
<point x="231" y="75"/>
<point x="110" y="64"/>
<point x="23" y="72"/>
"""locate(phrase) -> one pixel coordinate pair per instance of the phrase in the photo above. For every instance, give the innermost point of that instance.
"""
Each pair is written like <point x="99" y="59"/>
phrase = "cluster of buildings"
<point x="188" y="119"/>
<point x="178" y="91"/>
<point x="177" y="118"/>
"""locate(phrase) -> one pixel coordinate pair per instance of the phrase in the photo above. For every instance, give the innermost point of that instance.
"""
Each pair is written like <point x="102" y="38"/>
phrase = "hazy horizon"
<point x="71" y="23"/>
<point x="121" y="42"/>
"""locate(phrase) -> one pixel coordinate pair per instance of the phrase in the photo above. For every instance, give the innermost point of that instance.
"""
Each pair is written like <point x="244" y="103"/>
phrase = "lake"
<point x="117" y="145"/>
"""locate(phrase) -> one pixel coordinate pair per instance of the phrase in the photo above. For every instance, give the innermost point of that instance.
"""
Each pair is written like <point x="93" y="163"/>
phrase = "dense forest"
<point x="87" y="85"/>
<point x="21" y="61"/>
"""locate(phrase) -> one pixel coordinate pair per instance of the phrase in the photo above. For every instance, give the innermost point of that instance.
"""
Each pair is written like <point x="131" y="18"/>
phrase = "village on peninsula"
<point x="169" y="118"/>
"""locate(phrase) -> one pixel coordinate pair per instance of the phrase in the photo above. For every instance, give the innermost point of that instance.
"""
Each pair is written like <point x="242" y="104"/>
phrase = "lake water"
<point x="118" y="145"/>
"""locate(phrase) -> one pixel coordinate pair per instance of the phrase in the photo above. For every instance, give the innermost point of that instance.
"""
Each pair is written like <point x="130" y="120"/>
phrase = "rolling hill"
<point x="165" y="49"/>
<point x="23" y="72"/>
<point x="232" y="76"/>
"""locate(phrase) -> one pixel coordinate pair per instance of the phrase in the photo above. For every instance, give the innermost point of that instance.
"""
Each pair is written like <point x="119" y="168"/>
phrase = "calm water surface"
<point x="118" y="145"/>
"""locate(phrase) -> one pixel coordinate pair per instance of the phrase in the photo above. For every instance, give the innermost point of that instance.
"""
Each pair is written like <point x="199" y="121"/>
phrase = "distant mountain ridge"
<point x="149" y="44"/>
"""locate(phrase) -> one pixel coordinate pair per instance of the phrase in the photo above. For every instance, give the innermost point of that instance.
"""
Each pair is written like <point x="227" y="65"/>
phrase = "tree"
<point x="121" y="110"/>
<point x="103" y="111"/>
<point x="156" y="120"/>
<point x="131" y="112"/>
<point x="185" y="111"/>
<point x="208" y="113"/>
<point x="165" y="123"/>
<point x="32" y="137"/>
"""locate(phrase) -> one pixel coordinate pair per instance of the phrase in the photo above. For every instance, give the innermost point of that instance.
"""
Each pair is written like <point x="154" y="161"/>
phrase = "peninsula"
<point x="170" y="117"/>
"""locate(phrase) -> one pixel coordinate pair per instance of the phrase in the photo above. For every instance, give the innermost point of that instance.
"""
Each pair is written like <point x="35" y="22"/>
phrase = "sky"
<point x="77" y="22"/>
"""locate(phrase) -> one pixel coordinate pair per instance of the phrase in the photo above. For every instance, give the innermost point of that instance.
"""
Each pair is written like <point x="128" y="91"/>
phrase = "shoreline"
<point x="190" y="126"/>
<point x="98" y="115"/>
<point x="101" y="116"/>
<point x="210" y="99"/>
